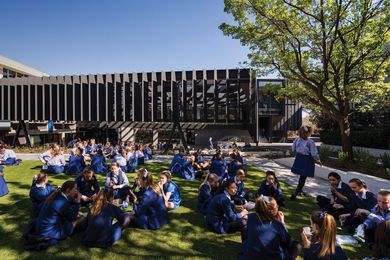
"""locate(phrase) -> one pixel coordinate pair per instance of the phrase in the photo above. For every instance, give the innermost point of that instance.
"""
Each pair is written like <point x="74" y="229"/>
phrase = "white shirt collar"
<point x="363" y="196"/>
<point x="66" y="197"/>
<point x="236" y="181"/>
<point x="339" y="186"/>
<point x="227" y="195"/>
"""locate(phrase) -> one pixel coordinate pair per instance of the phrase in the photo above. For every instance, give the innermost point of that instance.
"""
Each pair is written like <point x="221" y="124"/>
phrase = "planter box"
<point x="371" y="151"/>
<point x="373" y="183"/>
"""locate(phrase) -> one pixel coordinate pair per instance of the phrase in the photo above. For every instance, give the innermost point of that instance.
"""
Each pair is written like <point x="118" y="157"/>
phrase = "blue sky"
<point x="98" y="36"/>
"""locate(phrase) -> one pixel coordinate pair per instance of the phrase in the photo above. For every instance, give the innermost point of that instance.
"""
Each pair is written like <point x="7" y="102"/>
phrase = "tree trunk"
<point x="346" y="139"/>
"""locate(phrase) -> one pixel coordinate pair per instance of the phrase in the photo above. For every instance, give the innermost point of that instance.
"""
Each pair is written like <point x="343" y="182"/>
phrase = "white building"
<point x="13" y="69"/>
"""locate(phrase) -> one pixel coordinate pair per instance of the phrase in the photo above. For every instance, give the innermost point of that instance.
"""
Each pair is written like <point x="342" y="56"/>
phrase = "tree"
<point x="333" y="53"/>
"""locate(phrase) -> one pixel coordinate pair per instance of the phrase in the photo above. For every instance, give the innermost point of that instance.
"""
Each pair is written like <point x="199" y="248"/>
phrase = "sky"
<point x="62" y="37"/>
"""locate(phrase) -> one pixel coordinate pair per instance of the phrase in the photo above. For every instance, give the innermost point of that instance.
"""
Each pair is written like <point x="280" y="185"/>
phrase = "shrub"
<point x="385" y="160"/>
<point x="367" y="161"/>
<point x="343" y="158"/>
<point x="325" y="152"/>
<point x="375" y="138"/>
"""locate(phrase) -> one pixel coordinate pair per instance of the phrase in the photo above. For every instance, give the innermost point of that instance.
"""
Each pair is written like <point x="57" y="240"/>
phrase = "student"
<point x="40" y="190"/>
<point x="218" y="166"/>
<point x="341" y="199"/>
<point x="58" y="216"/>
<point x="150" y="212"/>
<point x="7" y="156"/>
<point x="118" y="181"/>
<point x="148" y="153"/>
<point x="242" y="197"/>
<point x="271" y="187"/>
<point x="234" y="165"/>
<point x="76" y="162"/>
<point x="265" y="237"/>
<point x="381" y="247"/>
<point x="206" y="192"/>
<point x="56" y="163"/>
<point x="46" y="156"/>
<point x="3" y="185"/>
<point x="88" y="186"/>
<point x="120" y="159"/>
<point x="221" y="215"/>
<point x="98" y="163"/>
<point x="363" y="199"/>
<point x="324" y="229"/>
<point x="177" y="162"/>
<point x="200" y="163"/>
<point x="91" y="148"/>
<point x="187" y="170"/>
<point x="238" y="156"/>
<point x="108" y="150"/>
<point x="101" y="231"/>
<point x="132" y="161"/>
<point x="210" y="145"/>
<point x="171" y="191"/>
<point x="380" y="212"/>
<point x="306" y="155"/>
<point x="139" y="150"/>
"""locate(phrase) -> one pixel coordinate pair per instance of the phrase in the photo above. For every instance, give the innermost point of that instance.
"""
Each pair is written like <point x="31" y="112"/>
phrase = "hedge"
<point x="373" y="138"/>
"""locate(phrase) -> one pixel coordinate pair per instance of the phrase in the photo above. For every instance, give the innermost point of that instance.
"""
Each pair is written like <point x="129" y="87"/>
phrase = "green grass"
<point x="184" y="237"/>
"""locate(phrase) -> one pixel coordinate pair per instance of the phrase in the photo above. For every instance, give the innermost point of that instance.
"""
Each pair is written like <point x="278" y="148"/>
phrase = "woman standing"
<point x="306" y="155"/>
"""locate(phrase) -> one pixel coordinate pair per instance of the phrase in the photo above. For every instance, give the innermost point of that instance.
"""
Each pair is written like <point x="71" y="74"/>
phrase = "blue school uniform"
<point x="121" y="161"/>
<point x="91" y="148"/>
<point x="240" y="159"/>
<point x="148" y="153"/>
<point x="98" y="164"/>
<point x="306" y="153"/>
<point x="219" y="168"/>
<point x="56" y="164"/>
<point x="232" y="169"/>
<point x="38" y="195"/>
<point x="177" y="163"/>
<point x="375" y="217"/>
<point x="120" y="180"/>
<point x="101" y="232"/>
<point x="87" y="188"/>
<point x="55" y="218"/>
<point x="76" y="165"/>
<point x="264" y="239"/>
<point x="204" y="197"/>
<point x="187" y="171"/>
<point x="8" y="158"/>
<point x="3" y="185"/>
<point x="268" y="190"/>
<point x="312" y="253"/>
<point x="345" y="190"/>
<point x="151" y="212"/>
<point x="141" y="157"/>
<point x="366" y="201"/>
<point x="175" y="197"/>
<point x="132" y="163"/>
<point x="220" y="213"/>
<point x="240" y="189"/>
<point x="200" y="159"/>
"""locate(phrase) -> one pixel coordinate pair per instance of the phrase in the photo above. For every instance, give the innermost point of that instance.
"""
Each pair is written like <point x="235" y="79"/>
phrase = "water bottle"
<point x="125" y="204"/>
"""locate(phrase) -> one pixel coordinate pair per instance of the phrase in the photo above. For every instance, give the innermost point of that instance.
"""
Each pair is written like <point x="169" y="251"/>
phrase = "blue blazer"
<point x="264" y="240"/>
<point x="177" y="162"/>
<point x="269" y="190"/>
<point x="87" y="188"/>
<point x="98" y="164"/>
<point x="346" y="191"/>
<point x="100" y="230"/>
<point x="38" y="195"/>
<point x="187" y="171"/>
<point x="91" y="149"/>
<point x="359" y="203"/>
<point x="151" y="212"/>
<point x="76" y="165"/>
<point x="219" y="168"/>
<point x="220" y="213"/>
<point x="232" y="169"/>
<point x="204" y="197"/>
<point x="312" y="253"/>
<point x="55" y="219"/>
<point x="175" y="197"/>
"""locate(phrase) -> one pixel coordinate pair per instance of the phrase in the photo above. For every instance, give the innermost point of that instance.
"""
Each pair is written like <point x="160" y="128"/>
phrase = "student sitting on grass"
<point x="76" y="162"/>
<point x="271" y="187"/>
<point x="341" y="199"/>
<point x="233" y="167"/>
<point x="265" y="237"/>
<point x="324" y="228"/>
<point x="363" y="199"/>
<point x="218" y="166"/>
<point x="150" y="212"/>
<point x="98" y="163"/>
<point x="221" y="215"/>
<point x="56" y="163"/>
<point x="381" y="247"/>
<point x="171" y="191"/>
<point x="101" y="231"/>
<point x="242" y="197"/>
<point x="59" y="215"/>
<point x="380" y="212"/>
<point x="88" y="186"/>
<point x="40" y="190"/>
<point x="45" y="157"/>
<point x="3" y="185"/>
<point x="118" y="181"/>
<point x="120" y="159"/>
<point x="177" y="162"/>
<point x="200" y="163"/>
<point x="187" y="170"/>
<point x="207" y="191"/>
<point x="7" y="156"/>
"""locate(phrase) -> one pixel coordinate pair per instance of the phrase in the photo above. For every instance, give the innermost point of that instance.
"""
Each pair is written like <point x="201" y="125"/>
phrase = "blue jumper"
<point x="175" y="197"/>
<point x="38" y="195"/>
<point x="76" y="165"/>
<point x="98" y="164"/>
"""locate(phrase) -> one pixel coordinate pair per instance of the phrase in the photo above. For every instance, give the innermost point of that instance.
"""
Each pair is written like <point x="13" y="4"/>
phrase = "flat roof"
<point x="21" y="68"/>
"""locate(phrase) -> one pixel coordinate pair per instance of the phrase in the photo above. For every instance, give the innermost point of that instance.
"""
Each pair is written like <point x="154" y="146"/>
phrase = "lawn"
<point x="184" y="237"/>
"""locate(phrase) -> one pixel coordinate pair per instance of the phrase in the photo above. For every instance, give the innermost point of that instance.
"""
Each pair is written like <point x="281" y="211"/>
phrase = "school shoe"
<point x="359" y="234"/>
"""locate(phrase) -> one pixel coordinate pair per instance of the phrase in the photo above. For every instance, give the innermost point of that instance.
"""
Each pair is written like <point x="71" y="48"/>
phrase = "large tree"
<point x="333" y="53"/>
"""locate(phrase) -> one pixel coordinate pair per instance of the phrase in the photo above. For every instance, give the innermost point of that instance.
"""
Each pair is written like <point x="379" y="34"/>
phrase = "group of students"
<point x="56" y="211"/>
<point x="127" y="155"/>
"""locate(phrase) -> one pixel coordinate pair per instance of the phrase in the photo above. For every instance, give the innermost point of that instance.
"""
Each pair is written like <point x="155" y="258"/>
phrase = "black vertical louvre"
<point x="61" y="89"/>
<point x="86" y="104"/>
<point x="77" y="101"/>
<point x="54" y="103"/>
<point x="69" y="102"/>
<point x="94" y="106"/>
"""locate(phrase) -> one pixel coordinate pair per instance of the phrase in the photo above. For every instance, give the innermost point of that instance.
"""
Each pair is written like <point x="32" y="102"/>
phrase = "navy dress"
<point x="264" y="240"/>
<point x="177" y="163"/>
<point x="312" y="253"/>
<point x="98" y="164"/>
<point x="220" y="214"/>
<point x="76" y="165"/>
<point x="3" y="185"/>
<point x="151" y="212"/>
<point x="87" y="188"/>
<point x="187" y="171"/>
<point x="55" y="219"/>
<point x="204" y="197"/>
<point x="219" y="168"/>
<point x="101" y="232"/>
<point x="306" y="152"/>
<point x="38" y="195"/>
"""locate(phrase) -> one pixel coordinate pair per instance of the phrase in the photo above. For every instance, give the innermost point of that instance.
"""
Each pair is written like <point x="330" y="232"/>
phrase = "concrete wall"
<point x="373" y="183"/>
<point x="372" y="151"/>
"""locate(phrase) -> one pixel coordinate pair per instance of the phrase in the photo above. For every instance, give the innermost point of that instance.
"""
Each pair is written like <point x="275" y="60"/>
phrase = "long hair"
<point x="327" y="233"/>
<point x="104" y="197"/>
<point x="144" y="175"/>
<point x="65" y="187"/>
<point x="262" y="208"/>
<point x="226" y="184"/>
<point x="167" y="174"/>
<point x="304" y="132"/>
<point x="381" y="247"/>
<point x="209" y="176"/>
<point x="39" y="178"/>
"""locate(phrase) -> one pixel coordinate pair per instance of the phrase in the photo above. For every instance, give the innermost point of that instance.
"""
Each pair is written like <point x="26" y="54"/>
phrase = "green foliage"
<point x="324" y="152"/>
<point x="374" y="138"/>
<point x="343" y="158"/>
<point x="385" y="160"/>
<point x="367" y="161"/>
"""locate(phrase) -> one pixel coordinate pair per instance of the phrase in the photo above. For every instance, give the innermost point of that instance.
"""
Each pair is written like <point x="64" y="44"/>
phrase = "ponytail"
<point x="327" y="233"/>
<point x="38" y="178"/>
<point x="66" y="186"/>
<point x="157" y="189"/>
<point x="104" y="197"/>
